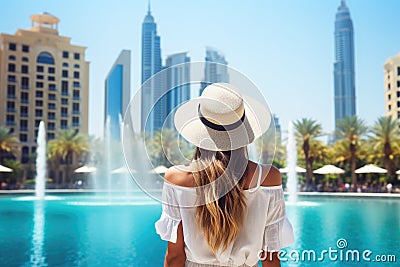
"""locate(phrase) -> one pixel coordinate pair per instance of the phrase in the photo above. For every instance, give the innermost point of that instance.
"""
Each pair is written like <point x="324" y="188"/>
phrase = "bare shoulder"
<point x="179" y="175"/>
<point x="271" y="176"/>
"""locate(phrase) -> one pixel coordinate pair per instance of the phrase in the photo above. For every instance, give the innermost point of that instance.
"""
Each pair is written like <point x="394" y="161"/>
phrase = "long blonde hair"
<point x="221" y="217"/>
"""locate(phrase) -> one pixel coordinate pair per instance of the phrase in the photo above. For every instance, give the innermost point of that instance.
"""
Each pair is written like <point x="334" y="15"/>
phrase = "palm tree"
<point x="65" y="146"/>
<point x="385" y="140"/>
<point x="351" y="129"/>
<point x="8" y="142"/>
<point x="307" y="130"/>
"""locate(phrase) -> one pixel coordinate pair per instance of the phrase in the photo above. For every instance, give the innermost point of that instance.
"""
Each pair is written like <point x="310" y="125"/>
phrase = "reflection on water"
<point x="37" y="258"/>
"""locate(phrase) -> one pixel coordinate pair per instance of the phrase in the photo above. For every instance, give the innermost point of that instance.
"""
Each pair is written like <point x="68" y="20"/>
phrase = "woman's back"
<point x="264" y="223"/>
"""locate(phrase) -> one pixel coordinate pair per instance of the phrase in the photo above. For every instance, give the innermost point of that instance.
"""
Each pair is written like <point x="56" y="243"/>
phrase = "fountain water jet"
<point x="41" y="162"/>
<point x="291" y="163"/>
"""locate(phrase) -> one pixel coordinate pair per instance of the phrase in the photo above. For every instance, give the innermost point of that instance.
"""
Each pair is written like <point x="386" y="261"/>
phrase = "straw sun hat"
<point x="221" y="119"/>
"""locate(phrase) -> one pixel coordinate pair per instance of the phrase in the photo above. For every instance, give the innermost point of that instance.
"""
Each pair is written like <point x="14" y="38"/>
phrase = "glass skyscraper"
<point x="151" y="64"/>
<point x="178" y="83"/>
<point x="216" y="69"/>
<point x="344" y="74"/>
<point x="117" y="92"/>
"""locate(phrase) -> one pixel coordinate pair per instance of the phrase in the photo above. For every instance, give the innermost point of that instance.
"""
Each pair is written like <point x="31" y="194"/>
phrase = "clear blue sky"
<point x="285" y="47"/>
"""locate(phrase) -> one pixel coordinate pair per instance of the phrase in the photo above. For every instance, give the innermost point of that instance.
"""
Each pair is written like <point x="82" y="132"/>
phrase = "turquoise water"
<point x="89" y="230"/>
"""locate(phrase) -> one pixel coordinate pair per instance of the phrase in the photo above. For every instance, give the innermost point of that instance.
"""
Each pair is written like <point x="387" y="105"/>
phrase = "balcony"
<point x="12" y="80"/>
<point x="76" y="98"/>
<point x="76" y="85"/>
<point x="52" y="108"/>
<point x="10" y="123"/>
<point x="64" y="115"/>
<point x="11" y="96"/>
<point x="76" y="124"/>
<point x="25" y="101"/>
<point x="24" y="115"/>
<point x="51" y="117"/>
<point x="51" y="128"/>
<point x="23" y="129"/>
<point x="53" y="89"/>
<point x="25" y="87"/>
<point x="65" y="93"/>
<point x="76" y="112"/>
<point x="11" y="110"/>
<point x="64" y="127"/>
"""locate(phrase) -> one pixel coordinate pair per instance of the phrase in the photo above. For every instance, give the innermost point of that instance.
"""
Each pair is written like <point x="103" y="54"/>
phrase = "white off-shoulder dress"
<point x="265" y="226"/>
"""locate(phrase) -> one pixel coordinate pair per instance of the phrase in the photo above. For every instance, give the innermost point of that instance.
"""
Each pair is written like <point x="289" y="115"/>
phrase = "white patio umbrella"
<point x="159" y="169"/>
<point x="398" y="172"/>
<point x="86" y="169"/>
<point x="329" y="169"/>
<point x="286" y="169"/>
<point x="121" y="170"/>
<point x="5" y="169"/>
<point x="370" y="168"/>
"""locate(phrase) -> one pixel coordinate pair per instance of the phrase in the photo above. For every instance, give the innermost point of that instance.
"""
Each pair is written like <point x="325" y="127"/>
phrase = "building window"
<point x="23" y="137"/>
<point x="25" y="154"/>
<point x="77" y="85"/>
<point x="39" y="94"/>
<point x="64" y="88"/>
<point x="25" y="82"/>
<point x="51" y="116"/>
<point x="389" y="107"/>
<point x="76" y="66"/>
<point x="23" y="125"/>
<point x="39" y="103"/>
<point x="398" y="114"/>
<point x="65" y="54"/>
<point x="11" y="57"/>
<point x="38" y="112"/>
<point x="52" y="106"/>
<point x="75" y="121"/>
<point x="51" y="78"/>
<point x="64" y="124"/>
<point x="64" y="112"/>
<point x="398" y="84"/>
<point x="11" y="91"/>
<point x="65" y="64"/>
<point x="24" y="97"/>
<point x="12" y="46"/>
<point x="64" y="101"/>
<point x="65" y="73"/>
<point x="11" y="67"/>
<point x="39" y="85"/>
<point x="52" y="87"/>
<point x="52" y="97"/>
<point x="45" y="58"/>
<point x="51" y="136"/>
<point x="39" y="69"/>
<point x="10" y="106"/>
<point x="389" y="96"/>
<point x="51" y="126"/>
<point x="75" y="108"/>
<point x="76" y="56"/>
<point x="39" y="77"/>
<point x="25" y="59"/>
<point x="37" y="123"/>
<point x="76" y="95"/>
<point x="23" y="111"/>
<point x="25" y="48"/>
<point x="51" y="70"/>
<point x="398" y="94"/>
<point x="398" y="104"/>
<point x="10" y="120"/>
<point x="24" y="69"/>
<point x="398" y="71"/>
<point x="76" y="74"/>
<point x="11" y="78"/>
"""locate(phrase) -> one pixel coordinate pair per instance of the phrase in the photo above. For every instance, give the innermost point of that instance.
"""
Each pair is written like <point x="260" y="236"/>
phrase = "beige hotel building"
<point x="43" y="77"/>
<point x="392" y="87"/>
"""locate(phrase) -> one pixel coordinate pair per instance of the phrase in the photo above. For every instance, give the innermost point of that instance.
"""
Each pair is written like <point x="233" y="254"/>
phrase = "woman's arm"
<point x="271" y="260"/>
<point x="175" y="255"/>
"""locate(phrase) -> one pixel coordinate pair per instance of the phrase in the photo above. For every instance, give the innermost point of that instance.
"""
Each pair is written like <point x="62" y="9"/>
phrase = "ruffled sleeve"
<point x="167" y="225"/>
<point x="278" y="231"/>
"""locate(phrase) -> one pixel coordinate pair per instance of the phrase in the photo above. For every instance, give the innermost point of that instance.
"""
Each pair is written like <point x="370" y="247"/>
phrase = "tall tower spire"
<point x="344" y="67"/>
<point x="149" y="7"/>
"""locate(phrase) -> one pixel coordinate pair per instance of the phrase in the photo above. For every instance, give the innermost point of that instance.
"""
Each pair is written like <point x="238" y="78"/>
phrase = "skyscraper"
<point x="216" y="69"/>
<point x="151" y="64"/>
<point x="392" y="87"/>
<point x="344" y="74"/>
<point x="43" y="77"/>
<point x="178" y="83"/>
<point x="117" y="92"/>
